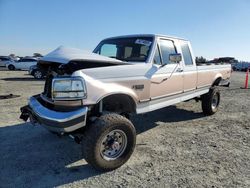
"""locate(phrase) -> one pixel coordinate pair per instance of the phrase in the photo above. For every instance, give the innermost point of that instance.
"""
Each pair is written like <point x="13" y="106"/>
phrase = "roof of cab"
<point x="146" y="35"/>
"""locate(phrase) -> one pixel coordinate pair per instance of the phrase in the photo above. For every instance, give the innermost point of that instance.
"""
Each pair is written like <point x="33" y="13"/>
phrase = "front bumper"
<point x="60" y="122"/>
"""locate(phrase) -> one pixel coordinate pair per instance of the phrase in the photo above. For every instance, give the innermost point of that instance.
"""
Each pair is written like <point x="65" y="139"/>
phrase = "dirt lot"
<point x="176" y="146"/>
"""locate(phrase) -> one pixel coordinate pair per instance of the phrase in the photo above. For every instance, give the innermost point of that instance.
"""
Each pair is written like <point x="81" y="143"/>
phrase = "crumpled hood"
<point x="96" y="66"/>
<point x="119" y="71"/>
<point x="64" y="55"/>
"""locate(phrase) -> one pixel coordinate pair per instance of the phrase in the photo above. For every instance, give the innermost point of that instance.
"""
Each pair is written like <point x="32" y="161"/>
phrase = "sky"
<point x="216" y="28"/>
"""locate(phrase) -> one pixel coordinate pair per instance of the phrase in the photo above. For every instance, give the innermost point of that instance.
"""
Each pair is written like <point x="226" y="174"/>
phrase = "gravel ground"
<point x="176" y="146"/>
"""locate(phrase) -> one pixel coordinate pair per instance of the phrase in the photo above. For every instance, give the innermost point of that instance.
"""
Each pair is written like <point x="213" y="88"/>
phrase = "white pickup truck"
<point x="93" y="94"/>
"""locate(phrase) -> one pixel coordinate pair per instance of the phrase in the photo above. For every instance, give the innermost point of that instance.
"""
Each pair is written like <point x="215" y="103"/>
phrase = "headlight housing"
<point x="68" y="88"/>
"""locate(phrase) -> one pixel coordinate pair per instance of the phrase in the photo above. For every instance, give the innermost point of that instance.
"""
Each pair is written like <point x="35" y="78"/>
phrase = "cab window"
<point x="134" y="49"/>
<point x="167" y="47"/>
<point x="109" y="50"/>
<point x="186" y="53"/>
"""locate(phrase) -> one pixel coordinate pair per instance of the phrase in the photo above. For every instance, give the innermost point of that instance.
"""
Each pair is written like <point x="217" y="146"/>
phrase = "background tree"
<point x="200" y="60"/>
<point x="37" y="55"/>
<point x="12" y="55"/>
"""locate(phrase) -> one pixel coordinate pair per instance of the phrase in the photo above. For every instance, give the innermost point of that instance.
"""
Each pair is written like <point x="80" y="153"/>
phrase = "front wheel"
<point x="11" y="67"/>
<point x="109" y="142"/>
<point x="210" y="101"/>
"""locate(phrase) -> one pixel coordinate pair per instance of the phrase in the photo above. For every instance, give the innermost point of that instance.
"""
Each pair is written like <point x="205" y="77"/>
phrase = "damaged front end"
<point x="62" y="110"/>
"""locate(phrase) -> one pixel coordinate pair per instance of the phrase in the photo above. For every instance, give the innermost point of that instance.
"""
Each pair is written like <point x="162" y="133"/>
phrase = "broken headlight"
<point x="68" y="88"/>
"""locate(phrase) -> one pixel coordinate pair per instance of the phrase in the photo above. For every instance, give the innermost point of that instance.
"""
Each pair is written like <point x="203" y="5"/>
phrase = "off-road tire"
<point x="94" y="135"/>
<point x="11" y="67"/>
<point x="207" y="103"/>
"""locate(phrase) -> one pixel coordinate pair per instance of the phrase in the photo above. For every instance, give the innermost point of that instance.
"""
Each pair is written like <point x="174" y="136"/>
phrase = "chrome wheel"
<point x="113" y="145"/>
<point x="215" y="101"/>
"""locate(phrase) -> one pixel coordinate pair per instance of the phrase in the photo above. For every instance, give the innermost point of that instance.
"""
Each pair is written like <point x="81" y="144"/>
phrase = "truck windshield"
<point x="126" y="49"/>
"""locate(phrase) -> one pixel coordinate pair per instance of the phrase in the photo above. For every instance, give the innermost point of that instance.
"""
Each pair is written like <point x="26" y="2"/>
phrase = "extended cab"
<point x="93" y="94"/>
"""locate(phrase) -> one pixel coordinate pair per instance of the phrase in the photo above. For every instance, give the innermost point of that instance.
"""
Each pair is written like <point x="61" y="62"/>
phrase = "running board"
<point x="159" y="103"/>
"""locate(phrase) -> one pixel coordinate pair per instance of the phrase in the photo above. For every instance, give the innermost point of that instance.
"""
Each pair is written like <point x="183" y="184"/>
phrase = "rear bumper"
<point x="55" y="121"/>
<point x="31" y="71"/>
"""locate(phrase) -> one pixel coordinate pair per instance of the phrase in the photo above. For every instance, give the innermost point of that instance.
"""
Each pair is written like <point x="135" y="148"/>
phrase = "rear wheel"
<point x="38" y="74"/>
<point x="11" y="67"/>
<point x="210" y="101"/>
<point x="109" y="142"/>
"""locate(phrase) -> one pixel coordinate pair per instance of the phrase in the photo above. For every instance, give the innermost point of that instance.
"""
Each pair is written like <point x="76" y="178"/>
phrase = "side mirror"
<point x="175" y="58"/>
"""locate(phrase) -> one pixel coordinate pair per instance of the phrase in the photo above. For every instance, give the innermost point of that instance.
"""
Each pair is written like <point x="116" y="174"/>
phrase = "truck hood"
<point x="71" y="60"/>
<point x="120" y="71"/>
<point x="64" y="55"/>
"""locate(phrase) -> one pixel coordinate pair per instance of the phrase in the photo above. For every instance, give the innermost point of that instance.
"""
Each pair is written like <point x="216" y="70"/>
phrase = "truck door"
<point x="189" y="67"/>
<point x="166" y="77"/>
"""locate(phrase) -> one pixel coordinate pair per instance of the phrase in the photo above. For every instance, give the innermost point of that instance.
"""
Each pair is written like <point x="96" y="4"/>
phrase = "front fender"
<point x="97" y="89"/>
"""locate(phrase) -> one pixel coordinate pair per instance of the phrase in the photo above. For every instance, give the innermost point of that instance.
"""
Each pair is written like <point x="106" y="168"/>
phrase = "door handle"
<point x="179" y="70"/>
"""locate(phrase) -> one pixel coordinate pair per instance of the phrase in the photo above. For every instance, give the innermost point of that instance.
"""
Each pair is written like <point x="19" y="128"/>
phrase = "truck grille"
<point x="48" y="86"/>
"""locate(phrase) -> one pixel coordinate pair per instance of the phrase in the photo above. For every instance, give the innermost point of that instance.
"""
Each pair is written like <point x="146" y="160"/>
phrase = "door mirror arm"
<point x="163" y="65"/>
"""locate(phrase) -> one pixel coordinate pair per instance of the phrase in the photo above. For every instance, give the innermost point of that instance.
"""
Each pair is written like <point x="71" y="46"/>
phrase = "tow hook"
<point x="27" y="116"/>
<point x="24" y="113"/>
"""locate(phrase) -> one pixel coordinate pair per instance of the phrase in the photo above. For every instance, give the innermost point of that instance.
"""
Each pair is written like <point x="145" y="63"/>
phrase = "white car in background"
<point x="22" y="64"/>
<point x="4" y="60"/>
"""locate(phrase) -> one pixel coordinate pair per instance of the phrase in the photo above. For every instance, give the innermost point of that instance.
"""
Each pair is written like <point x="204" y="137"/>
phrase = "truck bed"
<point x="207" y="74"/>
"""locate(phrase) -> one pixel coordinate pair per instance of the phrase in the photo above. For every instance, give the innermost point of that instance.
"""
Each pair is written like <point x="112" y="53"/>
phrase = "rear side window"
<point x="186" y="53"/>
<point x="167" y="48"/>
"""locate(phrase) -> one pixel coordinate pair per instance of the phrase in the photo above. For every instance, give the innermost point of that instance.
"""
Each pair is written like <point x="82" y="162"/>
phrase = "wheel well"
<point x="217" y="81"/>
<point x="119" y="103"/>
<point x="32" y="72"/>
<point x="36" y="70"/>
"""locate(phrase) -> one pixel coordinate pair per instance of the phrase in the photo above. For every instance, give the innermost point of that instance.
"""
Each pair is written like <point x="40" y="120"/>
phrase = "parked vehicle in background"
<point x="4" y="60"/>
<point x="241" y="66"/>
<point x="31" y="69"/>
<point x="37" y="72"/>
<point x="93" y="94"/>
<point x="14" y="58"/>
<point x="22" y="64"/>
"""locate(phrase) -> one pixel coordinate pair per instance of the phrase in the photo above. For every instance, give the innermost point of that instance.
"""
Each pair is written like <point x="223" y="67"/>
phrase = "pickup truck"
<point x="90" y="96"/>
